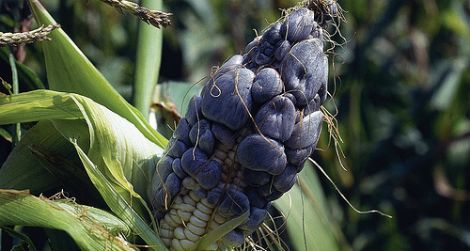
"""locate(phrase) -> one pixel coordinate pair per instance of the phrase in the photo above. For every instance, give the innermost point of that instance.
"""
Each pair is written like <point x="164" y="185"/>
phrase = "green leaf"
<point x="69" y="70"/>
<point x="149" y="53"/>
<point x="21" y="169"/>
<point x="119" y="161"/>
<point x="113" y="143"/>
<point x="35" y="106"/>
<point x="118" y="204"/>
<point x="219" y="232"/>
<point x="27" y="167"/>
<point x="306" y="214"/>
<point x="91" y="228"/>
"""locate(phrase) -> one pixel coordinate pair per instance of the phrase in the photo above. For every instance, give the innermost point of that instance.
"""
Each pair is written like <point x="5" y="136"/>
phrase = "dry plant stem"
<point x="38" y="34"/>
<point x="153" y="17"/>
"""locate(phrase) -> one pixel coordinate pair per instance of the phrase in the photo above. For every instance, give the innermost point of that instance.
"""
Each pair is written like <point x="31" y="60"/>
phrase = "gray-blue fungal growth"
<point x="306" y="132"/>
<point x="259" y="153"/>
<point x="193" y="114"/>
<point x="224" y="135"/>
<point x="209" y="174"/>
<point x="286" y="179"/>
<point x="298" y="25"/>
<point x="305" y="73"/>
<point x="202" y="137"/>
<point x="182" y="131"/>
<point x="267" y="85"/>
<point x="276" y="118"/>
<point x="234" y="204"/>
<point x="231" y="103"/>
<point x="297" y="157"/>
<point x="193" y="160"/>
<point x="177" y="148"/>
<point x="178" y="169"/>
<point x="256" y="178"/>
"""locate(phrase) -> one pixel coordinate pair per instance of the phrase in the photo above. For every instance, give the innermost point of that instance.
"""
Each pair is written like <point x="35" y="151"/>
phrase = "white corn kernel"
<point x="206" y="203"/>
<point x="170" y="221"/>
<point x="188" y="200"/>
<point x="196" y="230"/>
<point x="187" y="244"/>
<point x="191" y="236"/>
<point x="179" y="233"/>
<point x="178" y="200"/>
<point x="174" y="216"/>
<point x="164" y="225"/>
<point x="198" y="222"/>
<point x="166" y="241"/>
<point x="201" y="215"/>
<point x="175" y="245"/>
<point x="190" y="183"/>
<point x="219" y="219"/>
<point x="184" y="215"/>
<point x="194" y="196"/>
<point x="184" y="207"/>
<point x="203" y="208"/>
<point x="166" y="233"/>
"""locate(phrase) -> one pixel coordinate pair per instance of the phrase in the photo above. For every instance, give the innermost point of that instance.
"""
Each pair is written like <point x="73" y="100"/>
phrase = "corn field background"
<point x="400" y="92"/>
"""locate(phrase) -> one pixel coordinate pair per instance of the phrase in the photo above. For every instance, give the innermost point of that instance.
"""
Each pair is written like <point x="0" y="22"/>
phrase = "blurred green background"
<point x="399" y="77"/>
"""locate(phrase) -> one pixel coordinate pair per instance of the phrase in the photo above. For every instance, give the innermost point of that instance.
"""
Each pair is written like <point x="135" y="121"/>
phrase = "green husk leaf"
<point x="119" y="205"/>
<point x="69" y="70"/>
<point x="126" y="158"/>
<point x="119" y="164"/>
<point x="149" y="53"/>
<point x="45" y="161"/>
<point x="91" y="228"/>
<point x="306" y="214"/>
<point x="219" y="232"/>
<point x="122" y="158"/>
<point x="23" y="169"/>
<point x="36" y="106"/>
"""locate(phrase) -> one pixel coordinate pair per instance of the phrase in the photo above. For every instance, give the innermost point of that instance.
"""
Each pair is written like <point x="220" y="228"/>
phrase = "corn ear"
<point x="245" y="138"/>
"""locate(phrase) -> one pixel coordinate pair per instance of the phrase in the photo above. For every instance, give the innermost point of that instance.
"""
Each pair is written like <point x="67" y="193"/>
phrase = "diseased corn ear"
<point x="243" y="141"/>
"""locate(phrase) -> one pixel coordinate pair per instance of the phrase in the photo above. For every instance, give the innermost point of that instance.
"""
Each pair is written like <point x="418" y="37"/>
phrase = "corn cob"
<point x="245" y="138"/>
